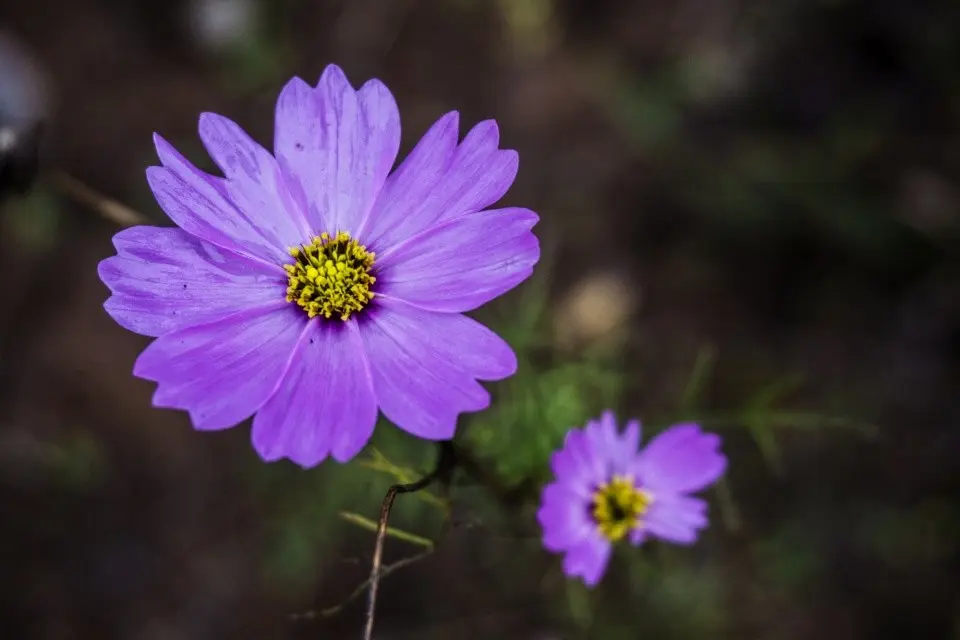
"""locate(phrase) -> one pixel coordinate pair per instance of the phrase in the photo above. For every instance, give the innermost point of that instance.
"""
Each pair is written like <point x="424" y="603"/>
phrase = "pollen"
<point x="618" y="507"/>
<point x="331" y="276"/>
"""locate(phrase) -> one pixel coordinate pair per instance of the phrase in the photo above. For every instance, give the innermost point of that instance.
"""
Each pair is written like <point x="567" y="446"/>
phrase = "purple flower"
<point x="606" y="491"/>
<point x="311" y="286"/>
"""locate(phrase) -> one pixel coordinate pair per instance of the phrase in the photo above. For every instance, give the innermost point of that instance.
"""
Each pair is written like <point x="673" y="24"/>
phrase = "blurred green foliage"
<point x="34" y="219"/>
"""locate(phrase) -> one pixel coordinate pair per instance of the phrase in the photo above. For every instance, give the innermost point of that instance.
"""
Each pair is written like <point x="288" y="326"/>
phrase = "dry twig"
<point x="107" y="207"/>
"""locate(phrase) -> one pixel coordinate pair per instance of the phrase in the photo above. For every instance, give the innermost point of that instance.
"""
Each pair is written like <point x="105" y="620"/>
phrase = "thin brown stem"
<point x="446" y="460"/>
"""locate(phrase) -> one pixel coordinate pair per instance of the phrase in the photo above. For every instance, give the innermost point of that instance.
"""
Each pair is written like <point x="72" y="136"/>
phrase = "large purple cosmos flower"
<point x="606" y="491"/>
<point x="312" y="286"/>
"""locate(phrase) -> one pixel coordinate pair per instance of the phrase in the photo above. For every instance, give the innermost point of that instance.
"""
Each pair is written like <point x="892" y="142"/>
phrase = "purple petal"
<point x="475" y="177"/>
<point x="618" y="450"/>
<point x="380" y="134"/>
<point x="197" y="203"/>
<point x="682" y="459"/>
<point x="361" y="137"/>
<point x="676" y="519"/>
<point x="577" y="465"/>
<point x="254" y="182"/>
<point x="223" y="371"/>
<point x="463" y="263"/>
<point x="588" y="560"/>
<point x="399" y="213"/>
<point x="479" y="175"/>
<point x="629" y="445"/>
<point x="563" y="515"/>
<point x="425" y="366"/>
<point x="325" y="404"/>
<point x="165" y="279"/>
<point x="300" y="145"/>
<point x="638" y="536"/>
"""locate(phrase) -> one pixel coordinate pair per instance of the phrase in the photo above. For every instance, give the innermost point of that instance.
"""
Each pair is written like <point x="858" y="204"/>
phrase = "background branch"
<point x="107" y="207"/>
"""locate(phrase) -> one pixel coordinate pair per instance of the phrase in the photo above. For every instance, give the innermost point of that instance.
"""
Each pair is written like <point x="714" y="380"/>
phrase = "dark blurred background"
<point x="766" y="190"/>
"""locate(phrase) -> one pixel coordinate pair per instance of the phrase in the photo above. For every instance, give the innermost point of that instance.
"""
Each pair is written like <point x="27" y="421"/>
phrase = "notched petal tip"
<point x="156" y="177"/>
<point x="608" y="419"/>
<point x="487" y="130"/>
<point x="295" y="82"/>
<point x="375" y="85"/>
<point x="143" y="367"/>
<point x="333" y="78"/>
<point x="133" y="236"/>
<point x="158" y="140"/>
<point x="510" y="159"/>
<point x="295" y="93"/>
<point x="166" y="152"/>
<point x="217" y="130"/>
<point x="344" y="452"/>
<point x="107" y="271"/>
<point x="509" y="364"/>
<point x="208" y="118"/>
<point x="306" y="462"/>
<point x="630" y="436"/>
<point x="521" y="216"/>
<point x="588" y="561"/>
<point x="449" y="119"/>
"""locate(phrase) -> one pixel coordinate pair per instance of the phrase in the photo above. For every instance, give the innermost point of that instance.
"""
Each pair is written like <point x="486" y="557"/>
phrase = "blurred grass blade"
<point x="702" y="370"/>
<point x="755" y="416"/>
<point x="729" y="512"/>
<point x="368" y="524"/>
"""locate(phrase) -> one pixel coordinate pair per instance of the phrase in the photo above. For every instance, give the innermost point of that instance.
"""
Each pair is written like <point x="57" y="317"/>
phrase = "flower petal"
<point x="254" y="182"/>
<point x="300" y="145"/>
<point x="676" y="518"/>
<point x="463" y="263"/>
<point x="164" y="279"/>
<point x="379" y="128"/>
<point x="223" y="371"/>
<point x="638" y="535"/>
<point x="578" y="466"/>
<point x="198" y="204"/>
<point x="682" y="459"/>
<point x="563" y="515"/>
<point x="399" y="211"/>
<point x="629" y="446"/>
<point x="479" y="175"/>
<point x="361" y="137"/>
<point x="588" y="560"/>
<point x="325" y="404"/>
<point x="619" y="450"/>
<point x="425" y="366"/>
<point x="337" y="146"/>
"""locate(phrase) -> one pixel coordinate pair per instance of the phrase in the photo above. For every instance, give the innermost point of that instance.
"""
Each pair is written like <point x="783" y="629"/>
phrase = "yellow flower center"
<point x="618" y="506"/>
<point x="330" y="276"/>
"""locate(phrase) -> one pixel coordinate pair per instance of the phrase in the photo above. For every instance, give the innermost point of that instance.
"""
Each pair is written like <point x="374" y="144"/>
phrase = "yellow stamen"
<point x="618" y="506"/>
<point x="330" y="276"/>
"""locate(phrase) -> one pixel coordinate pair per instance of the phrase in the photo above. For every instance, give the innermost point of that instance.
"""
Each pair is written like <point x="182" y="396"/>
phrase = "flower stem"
<point x="446" y="461"/>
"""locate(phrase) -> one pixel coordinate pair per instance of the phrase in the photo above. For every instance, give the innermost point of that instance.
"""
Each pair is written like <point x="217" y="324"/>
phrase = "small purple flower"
<point x="605" y="490"/>
<point x="312" y="287"/>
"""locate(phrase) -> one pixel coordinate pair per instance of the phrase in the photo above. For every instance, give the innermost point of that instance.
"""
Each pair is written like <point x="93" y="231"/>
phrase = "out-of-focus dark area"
<point x="768" y="190"/>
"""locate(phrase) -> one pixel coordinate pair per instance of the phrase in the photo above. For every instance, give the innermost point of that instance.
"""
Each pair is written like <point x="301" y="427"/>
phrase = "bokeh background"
<point x="750" y="215"/>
